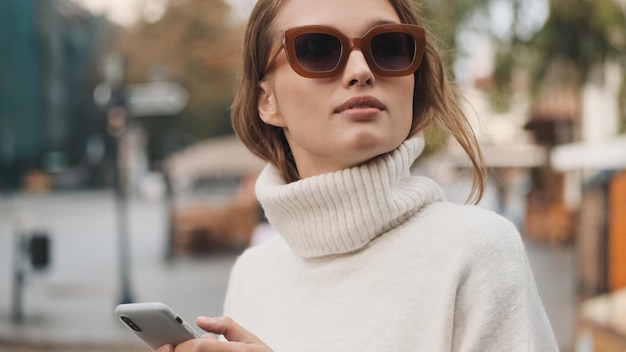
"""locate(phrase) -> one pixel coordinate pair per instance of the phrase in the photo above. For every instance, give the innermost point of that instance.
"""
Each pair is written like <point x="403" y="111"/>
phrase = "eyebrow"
<point x="382" y="21"/>
<point x="379" y="22"/>
<point x="369" y="26"/>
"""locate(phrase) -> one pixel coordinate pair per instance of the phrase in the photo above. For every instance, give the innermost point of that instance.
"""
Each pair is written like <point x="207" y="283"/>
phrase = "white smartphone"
<point x="155" y="323"/>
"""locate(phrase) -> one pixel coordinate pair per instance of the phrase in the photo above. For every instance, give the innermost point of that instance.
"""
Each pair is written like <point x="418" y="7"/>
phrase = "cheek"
<point x="297" y="99"/>
<point x="405" y="99"/>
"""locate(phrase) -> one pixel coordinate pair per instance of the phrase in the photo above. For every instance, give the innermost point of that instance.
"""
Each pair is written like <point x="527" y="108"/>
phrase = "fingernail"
<point x="207" y="319"/>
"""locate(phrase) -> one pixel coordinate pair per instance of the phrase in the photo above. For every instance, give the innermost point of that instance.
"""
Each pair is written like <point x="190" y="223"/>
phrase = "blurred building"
<point x="48" y="68"/>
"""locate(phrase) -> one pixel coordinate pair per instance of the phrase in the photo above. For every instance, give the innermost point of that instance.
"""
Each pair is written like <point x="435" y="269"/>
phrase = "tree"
<point x="198" y="44"/>
<point x="447" y="18"/>
<point x="577" y="39"/>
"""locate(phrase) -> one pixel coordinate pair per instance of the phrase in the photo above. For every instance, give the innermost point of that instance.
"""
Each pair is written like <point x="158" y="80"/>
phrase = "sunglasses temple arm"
<point x="276" y="49"/>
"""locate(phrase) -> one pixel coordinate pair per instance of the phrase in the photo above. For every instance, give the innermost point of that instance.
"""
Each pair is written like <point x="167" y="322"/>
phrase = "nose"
<point x="357" y="70"/>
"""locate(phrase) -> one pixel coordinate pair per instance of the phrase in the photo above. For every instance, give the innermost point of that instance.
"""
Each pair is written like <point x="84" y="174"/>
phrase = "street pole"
<point x="124" y="101"/>
<point x="22" y="231"/>
<point x="117" y="120"/>
<point x="113" y="95"/>
<point x="17" y="304"/>
<point x="121" y="202"/>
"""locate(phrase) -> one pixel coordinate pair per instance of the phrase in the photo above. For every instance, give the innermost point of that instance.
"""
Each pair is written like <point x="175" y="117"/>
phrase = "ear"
<point x="268" y="107"/>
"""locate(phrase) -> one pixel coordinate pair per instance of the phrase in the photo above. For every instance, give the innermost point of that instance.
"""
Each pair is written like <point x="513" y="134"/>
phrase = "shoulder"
<point x="468" y="225"/>
<point x="458" y="239"/>
<point x="486" y="248"/>
<point x="494" y="285"/>
<point x="252" y="271"/>
<point x="469" y="217"/>
<point x="469" y="240"/>
<point x="267" y="255"/>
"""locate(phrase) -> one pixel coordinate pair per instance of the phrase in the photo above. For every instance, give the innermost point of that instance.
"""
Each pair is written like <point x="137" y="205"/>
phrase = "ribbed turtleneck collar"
<point x="343" y="211"/>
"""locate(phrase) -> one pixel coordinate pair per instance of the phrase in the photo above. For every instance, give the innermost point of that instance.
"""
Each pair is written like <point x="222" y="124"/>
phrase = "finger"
<point x="209" y="336"/>
<point x="229" y="328"/>
<point x="209" y="345"/>
<point x="166" y="348"/>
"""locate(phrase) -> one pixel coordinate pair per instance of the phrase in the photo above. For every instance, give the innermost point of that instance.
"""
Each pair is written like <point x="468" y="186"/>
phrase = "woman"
<point x="335" y="95"/>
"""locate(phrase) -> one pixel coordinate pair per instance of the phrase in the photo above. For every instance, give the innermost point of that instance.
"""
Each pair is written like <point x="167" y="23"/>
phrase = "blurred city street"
<point x="96" y="97"/>
<point x="70" y="305"/>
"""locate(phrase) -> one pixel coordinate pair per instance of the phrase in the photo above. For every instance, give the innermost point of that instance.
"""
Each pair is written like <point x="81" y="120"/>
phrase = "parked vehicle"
<point x="212" y="206"/>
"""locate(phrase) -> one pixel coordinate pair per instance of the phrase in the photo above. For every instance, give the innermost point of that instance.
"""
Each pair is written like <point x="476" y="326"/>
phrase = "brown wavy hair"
<point x="435" y="101"/>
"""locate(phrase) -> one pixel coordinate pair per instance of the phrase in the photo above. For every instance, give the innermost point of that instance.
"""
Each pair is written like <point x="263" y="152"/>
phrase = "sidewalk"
<point x="71" y="304"/>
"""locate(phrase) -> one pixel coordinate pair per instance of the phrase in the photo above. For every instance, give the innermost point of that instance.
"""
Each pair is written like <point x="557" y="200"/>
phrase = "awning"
<point x="608" y="155"/>
<point x="504" y="156"/>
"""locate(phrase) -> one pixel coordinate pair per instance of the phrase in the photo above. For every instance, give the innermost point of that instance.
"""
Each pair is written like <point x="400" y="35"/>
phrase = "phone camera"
<point x="130" y="323"/>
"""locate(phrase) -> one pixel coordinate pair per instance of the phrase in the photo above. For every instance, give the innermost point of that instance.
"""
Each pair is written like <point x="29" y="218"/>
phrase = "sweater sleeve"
<point x="497" y="305"/>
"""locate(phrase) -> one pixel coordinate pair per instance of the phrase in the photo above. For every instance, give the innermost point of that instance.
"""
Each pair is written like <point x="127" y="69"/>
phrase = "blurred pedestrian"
<point x="335" y="95"/>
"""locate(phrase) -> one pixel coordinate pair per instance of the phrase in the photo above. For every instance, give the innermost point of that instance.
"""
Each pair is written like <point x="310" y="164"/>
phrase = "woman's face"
<point x="339" y="122"/>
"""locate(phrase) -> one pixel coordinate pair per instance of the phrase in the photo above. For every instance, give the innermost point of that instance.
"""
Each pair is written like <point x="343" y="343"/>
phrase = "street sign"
<point x="147" y="99"/>
<point x="155" y="99"/>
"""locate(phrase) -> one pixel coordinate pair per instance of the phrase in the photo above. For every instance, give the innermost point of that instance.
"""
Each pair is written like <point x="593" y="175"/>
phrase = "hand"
<point x="239" y="339"/>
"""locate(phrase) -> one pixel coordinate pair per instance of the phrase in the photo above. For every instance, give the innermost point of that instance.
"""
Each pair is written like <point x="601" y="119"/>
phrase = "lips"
<point x="361" y="103"/>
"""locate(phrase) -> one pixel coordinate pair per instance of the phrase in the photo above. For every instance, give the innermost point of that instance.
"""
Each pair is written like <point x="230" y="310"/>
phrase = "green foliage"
<point x="581" y="33"/>
<point x="436" y="140"/>
<point x="445" y="20"/>
<point x="622" y="106"/>
<point x="578" y="37"/>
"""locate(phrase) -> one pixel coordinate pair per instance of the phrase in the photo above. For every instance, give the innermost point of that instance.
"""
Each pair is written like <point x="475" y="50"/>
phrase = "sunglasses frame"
<point x="361" y="43"/>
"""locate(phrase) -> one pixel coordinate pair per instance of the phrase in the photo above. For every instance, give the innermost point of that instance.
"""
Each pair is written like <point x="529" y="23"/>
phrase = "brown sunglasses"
<point x="315" y="51"/>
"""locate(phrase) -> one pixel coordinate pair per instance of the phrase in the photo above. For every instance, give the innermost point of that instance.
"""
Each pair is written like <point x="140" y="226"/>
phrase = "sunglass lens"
<point x="317" y="52"/>
<point x="393" y="51"/>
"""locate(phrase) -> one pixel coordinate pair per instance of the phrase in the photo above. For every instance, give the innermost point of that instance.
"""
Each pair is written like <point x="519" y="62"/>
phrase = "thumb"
<point x="229" y="328"/>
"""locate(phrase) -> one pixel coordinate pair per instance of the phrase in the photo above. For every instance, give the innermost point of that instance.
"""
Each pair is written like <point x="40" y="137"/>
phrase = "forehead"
<point x="350" y="16"/>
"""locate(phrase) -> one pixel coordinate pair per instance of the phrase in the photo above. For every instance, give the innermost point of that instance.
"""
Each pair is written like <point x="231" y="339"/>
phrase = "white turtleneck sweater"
<point x="372" y="259"/>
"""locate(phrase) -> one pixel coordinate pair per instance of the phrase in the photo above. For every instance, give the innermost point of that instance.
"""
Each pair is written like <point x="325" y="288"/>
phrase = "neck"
<point x="343" y="211"/>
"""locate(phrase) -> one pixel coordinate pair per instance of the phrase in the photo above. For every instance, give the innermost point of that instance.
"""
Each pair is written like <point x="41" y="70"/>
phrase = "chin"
<point x="377" y="144"/>
<point x="367" y="154"/>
